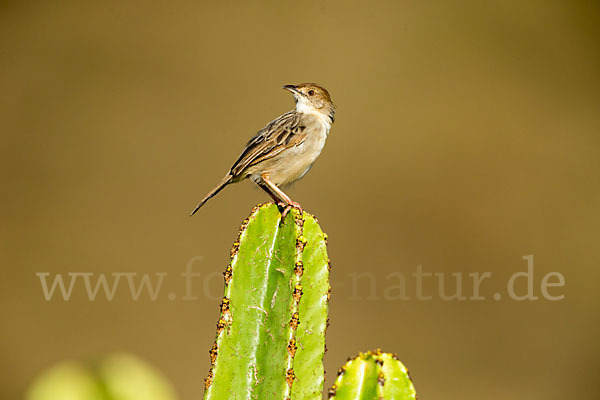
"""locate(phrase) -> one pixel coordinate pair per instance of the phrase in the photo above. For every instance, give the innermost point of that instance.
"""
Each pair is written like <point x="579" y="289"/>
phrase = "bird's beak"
<point x="292" y="88"/>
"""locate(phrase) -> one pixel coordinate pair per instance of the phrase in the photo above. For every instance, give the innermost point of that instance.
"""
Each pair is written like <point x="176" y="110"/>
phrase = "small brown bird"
<point x="284" y="150"/>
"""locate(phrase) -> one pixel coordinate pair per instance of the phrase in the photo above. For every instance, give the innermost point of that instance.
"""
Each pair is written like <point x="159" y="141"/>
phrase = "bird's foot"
<point x="288" y="206"/>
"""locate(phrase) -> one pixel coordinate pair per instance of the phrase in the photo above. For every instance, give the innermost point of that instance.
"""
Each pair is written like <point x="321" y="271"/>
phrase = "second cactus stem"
<point x="373" y="375"/>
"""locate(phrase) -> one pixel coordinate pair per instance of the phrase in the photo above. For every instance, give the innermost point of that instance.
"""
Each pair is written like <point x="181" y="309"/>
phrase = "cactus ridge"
<point x="296" y="283"/>
<point x="312" y="311"/>
<point x="373" y="375"/>
<point x="269" y="341"/>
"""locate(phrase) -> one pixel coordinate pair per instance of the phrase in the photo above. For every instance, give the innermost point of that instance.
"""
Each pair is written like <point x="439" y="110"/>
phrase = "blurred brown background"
<point x="467" y="136"/>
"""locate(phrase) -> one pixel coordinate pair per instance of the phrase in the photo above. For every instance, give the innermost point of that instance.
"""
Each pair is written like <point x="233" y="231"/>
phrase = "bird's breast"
<point x="294" y="162"/>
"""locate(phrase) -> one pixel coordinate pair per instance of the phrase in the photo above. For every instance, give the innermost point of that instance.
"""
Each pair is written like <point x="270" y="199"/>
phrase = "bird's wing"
<point x="280" y="134"/>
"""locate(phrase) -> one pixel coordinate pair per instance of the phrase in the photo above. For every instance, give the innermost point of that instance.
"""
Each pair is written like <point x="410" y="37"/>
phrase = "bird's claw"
<point x="288" y="206"/>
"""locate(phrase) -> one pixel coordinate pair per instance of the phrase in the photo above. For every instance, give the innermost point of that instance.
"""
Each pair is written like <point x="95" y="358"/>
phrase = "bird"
<point x="284" y="150"/>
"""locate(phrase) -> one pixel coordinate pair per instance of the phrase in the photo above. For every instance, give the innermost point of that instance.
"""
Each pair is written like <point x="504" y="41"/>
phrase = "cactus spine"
<point x="271" y="332"/>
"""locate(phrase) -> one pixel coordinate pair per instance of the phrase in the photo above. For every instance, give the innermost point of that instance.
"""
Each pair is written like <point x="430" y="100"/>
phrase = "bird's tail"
<point x="226" y="181"/>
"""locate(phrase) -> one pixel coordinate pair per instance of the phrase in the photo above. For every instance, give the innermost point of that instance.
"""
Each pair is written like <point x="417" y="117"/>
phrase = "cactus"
<point x="373" y="375"/>
<point x="270" y="337"/>
<point x="271" y="332"/>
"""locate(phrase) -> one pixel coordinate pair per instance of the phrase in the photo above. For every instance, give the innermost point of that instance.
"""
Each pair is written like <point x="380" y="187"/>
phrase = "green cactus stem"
<point x="271" y="332"/>
<point x="373" y="375"/>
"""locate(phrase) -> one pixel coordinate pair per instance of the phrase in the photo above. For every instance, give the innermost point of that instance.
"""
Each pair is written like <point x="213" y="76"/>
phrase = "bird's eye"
<point x="311" y="92"/>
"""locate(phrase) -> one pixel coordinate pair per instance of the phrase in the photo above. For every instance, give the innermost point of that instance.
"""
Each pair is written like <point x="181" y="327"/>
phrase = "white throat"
<point x="305" y="107"/>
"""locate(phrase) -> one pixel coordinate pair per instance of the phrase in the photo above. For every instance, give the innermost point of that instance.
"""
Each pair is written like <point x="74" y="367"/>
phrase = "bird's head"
<point x="311" y="98"/>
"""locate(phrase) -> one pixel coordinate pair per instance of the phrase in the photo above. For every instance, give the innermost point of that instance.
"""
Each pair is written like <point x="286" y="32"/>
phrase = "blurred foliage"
<point x="116" y="377"/>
